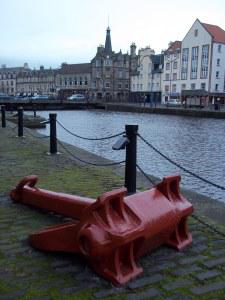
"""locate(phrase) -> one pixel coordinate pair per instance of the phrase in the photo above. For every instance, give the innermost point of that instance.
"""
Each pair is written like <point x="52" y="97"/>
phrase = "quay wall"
<point x="200" y="113"/>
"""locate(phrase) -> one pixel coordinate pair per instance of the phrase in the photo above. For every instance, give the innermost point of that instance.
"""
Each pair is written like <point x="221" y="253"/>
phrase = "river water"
<point x="197" y="144"/>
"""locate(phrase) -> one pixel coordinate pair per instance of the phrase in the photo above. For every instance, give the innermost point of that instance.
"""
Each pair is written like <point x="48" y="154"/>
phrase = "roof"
<point x="75" y="68"/>
<point x="13" y="69"/>
<point x="174" y="46"/>
<point x="217" y="33"/>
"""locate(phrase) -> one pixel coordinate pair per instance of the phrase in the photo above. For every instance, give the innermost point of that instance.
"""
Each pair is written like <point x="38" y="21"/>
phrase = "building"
<point x="40" y="81"/>
<point x="171" y="72"/>
<point x="73" y="78"/>
<point x="8" y="78"/>
<point x="110" y="73"/>
<point x="146" y="81"/>
<point x="203" y="64"/>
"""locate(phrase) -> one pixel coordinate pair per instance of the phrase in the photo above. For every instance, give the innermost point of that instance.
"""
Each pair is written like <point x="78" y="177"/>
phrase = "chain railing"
<point x="128" y="142"/>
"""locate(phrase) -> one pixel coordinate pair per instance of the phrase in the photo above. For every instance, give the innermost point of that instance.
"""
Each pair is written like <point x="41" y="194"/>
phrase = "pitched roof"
<point x="75" y="68"/>
<point x="174" y="46"/>
<point x="217" y="33"/>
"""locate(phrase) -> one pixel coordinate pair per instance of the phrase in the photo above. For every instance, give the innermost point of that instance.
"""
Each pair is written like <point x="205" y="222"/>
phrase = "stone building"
<point x="40" y="81"/>
<point x="110" y="73"/>
<point x="73" y="78"/>
<point x="8" y="78"/>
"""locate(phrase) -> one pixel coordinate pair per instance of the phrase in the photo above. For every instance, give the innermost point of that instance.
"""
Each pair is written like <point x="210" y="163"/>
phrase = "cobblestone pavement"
<point x="196" y="273"/>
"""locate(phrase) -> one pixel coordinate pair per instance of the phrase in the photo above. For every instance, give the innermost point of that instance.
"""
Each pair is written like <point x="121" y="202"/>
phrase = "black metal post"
<point x="53" y="135"/>
<point x="20" y="121"/>
<point x="3" y="116"/>
<point x="131" y="158"/>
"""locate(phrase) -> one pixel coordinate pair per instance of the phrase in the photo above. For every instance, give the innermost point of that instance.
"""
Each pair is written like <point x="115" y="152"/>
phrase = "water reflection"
<point x="196" y="144"/>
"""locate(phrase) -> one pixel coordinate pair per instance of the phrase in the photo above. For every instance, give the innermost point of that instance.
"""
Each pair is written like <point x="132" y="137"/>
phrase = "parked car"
<point x="40" y="97"/>
<point x="173" y="102"/>
<point x="4" y="96"/>
<point x="76" y="97"/>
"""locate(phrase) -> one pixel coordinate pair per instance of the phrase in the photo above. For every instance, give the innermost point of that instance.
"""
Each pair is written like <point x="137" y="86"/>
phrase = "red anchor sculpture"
<point x="114" y="230"/>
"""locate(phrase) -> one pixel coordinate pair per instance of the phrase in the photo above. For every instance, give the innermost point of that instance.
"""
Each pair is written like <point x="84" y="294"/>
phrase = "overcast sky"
<point x="50" y="32"/>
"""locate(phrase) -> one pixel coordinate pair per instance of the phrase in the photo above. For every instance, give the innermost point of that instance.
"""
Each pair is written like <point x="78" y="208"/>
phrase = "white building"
<point x="142" y="81"/>
<point x="171" y="72"/>
<point x="147" y="81"/>
<point x="202" y="68"/>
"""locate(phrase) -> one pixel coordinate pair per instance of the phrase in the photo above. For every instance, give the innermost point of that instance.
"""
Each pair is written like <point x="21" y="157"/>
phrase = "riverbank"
<point x="178" y="111"/>
<point x="196" y="273"/>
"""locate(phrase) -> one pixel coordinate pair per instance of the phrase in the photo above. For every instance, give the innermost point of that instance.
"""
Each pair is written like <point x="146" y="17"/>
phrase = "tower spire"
<point x="108" y="45"/>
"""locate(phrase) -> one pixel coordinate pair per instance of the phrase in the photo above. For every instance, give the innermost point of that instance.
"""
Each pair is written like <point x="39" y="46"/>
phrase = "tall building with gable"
<point x="110" y="73"/>
<point x="202" y="62"/>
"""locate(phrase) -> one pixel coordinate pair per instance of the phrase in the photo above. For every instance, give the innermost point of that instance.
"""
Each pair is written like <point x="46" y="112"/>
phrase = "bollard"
<point x="131" y="158"/>
<point x="53" y="136"/>
<point x="3" y="116"/>
<point x="20" y="122"/>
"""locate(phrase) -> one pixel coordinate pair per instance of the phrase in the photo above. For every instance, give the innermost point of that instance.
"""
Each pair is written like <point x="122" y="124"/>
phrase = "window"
<point x="194" y="62"/>
<point x="119" y="86"/>
<point x="98" y="63"/>
<point x="219" y="48"/>
<point x="126" y="86"/>
<point x="107" y="85"/>
<point x="217" y="74"/>
<point x="167" y="66"/>
<point x="196" y="32"/>
<point x="184" y="63"/>
<point x="166" y="88"/>
<point x="218" y="62"/>
<point x="167" y="76"/>
<point x="216" y="87"/>
<point x="175" y="65"/>
<point x="108" y="62"/>
<point x="81" y="81"/>
<point x="141" y="86"/>
<point x="121" y="74"/>
<point x="183" y="86"/>
<point x="193" y="86"/>
<point x="174" y="76"/>
<point x="204" y="61"/>
<point x="203" y="86"/>
<point x="174" y="88"/>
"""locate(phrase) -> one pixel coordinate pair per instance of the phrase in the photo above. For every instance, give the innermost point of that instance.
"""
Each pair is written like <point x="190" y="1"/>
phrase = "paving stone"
<point x="203" y="289"/>
<point x="199" y="249"/>
<point x="40" y="298"/>
<point x="177" y="284"/>
<point x="138" y="283"/>
<point x="178" y="296"/>
<point x="186" y="270"/>
<point x="214" y="262"/>
<point x="144" y="295"/>
<point x="13" y="295"/>
<point x="218" y="243"/>
<point x="109" y="292"/>
<point x="60" y="263"/>
<point x="207" y="275"/>
<point x="69" y="290"/>
<point x="220" y="252"/>
<point x="69" y="269"/>
<point x="190" y="260"/>
<point x="159" y="267"/>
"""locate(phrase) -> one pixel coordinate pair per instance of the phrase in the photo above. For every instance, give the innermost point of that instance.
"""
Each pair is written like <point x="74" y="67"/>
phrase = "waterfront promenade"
<point x="196" y="273"/>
